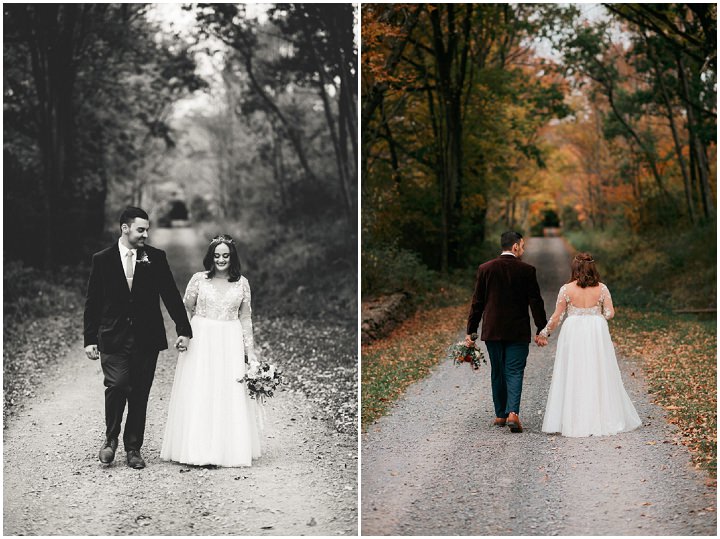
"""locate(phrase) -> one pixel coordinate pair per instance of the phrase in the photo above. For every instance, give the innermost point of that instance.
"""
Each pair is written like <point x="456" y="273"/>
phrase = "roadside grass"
<point x="42" y="320"/>
<point x="678" y="356"/>
<point x="405" y="356"/>
<point x="415" y="347"/>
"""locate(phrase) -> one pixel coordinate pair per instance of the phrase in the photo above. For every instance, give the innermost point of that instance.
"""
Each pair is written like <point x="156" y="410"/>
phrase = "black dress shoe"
<point x="134" y="459"/>
<point x="107" y="451"/>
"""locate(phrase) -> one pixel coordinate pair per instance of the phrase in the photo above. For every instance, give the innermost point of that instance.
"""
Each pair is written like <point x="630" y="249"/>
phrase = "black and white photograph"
<point x="180" y="269"/>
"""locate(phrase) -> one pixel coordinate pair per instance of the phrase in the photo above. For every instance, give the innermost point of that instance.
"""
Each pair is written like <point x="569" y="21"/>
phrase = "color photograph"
<point x="538" y="269"/>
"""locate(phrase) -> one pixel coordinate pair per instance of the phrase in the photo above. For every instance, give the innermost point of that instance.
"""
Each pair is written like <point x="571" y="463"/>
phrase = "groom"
<point x="124" y="328"/>
<point x="504" y="288"/>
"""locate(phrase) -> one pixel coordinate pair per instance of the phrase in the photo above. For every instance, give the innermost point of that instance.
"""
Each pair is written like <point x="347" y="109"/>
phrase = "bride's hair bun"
<point x="583" y="271"/>
<point x="584" y="257"/>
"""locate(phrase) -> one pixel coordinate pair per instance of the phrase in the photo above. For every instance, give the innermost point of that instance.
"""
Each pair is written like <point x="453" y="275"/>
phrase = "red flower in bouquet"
<point x="462" y="353"/>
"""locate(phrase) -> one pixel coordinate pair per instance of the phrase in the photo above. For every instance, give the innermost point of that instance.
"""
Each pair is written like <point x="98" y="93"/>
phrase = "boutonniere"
<point x="143" y="258"/>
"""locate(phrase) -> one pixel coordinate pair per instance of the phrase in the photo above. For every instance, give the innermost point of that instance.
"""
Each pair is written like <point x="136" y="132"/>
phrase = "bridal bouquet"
<point x="462" y="353"/>
<point x="262" y="381"/>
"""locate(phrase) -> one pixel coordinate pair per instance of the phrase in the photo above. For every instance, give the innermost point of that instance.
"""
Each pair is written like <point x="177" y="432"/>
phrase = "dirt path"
<point x="304" y="484"/>
<point x="435" y="466"/>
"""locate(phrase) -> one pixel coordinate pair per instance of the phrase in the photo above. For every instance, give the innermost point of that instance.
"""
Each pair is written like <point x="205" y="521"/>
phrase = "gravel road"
<point x="435" y="466"/>
<point x="53" y="484"/>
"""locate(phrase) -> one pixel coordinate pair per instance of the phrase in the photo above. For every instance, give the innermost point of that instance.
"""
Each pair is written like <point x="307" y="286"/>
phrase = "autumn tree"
<point x="449" y="116"/>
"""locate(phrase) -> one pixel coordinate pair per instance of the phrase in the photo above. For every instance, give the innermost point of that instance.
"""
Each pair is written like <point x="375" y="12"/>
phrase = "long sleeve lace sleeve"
<point x="245" y="316"/>
<point x="191" y="293"/>
<point x="558" y="315"/>
<point x="608" y="310"/>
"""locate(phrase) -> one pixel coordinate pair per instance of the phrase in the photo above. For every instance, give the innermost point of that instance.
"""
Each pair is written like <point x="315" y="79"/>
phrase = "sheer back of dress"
<point x="584" y="301"/>
<point x="575" y="301"/>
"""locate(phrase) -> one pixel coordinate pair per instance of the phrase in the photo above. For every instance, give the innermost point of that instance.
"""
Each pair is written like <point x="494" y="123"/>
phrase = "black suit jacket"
<point x="112" y="312"/>
<point x="504" y="287"/>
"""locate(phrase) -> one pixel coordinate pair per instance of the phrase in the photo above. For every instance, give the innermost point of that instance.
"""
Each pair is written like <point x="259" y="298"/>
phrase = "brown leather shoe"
<point x="513" y="421"/>
<point x="499" y="421"/>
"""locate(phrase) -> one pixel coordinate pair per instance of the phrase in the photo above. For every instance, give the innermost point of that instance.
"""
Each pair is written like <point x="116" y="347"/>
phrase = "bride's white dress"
<point x="211" y="418"/>
<point x="587" y="396"/>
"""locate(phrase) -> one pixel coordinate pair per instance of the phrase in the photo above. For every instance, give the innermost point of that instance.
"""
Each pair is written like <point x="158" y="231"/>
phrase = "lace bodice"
<point x="563" y="306"/>
<point x="205" y="298"/>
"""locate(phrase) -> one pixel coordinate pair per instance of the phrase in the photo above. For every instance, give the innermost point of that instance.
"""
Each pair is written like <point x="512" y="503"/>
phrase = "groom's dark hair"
<point x="131" y="213"/>
<point x="509" y="238"/>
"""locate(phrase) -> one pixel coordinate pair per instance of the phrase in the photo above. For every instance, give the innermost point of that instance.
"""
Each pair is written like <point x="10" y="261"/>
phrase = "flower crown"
<point x="222" y="239"/>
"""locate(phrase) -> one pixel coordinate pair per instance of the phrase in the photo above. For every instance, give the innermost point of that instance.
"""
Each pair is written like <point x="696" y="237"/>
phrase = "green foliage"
<point x="660" y="268"/>
<point x="388" y="269"/>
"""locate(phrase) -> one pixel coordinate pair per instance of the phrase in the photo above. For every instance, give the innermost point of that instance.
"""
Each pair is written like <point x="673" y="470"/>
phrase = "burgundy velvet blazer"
<point x="504" y="288"/>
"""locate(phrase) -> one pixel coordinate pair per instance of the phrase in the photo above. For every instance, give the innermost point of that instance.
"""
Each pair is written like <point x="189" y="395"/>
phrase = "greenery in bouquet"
<point x="262" y="380"/>
<point x="462" y="353"/>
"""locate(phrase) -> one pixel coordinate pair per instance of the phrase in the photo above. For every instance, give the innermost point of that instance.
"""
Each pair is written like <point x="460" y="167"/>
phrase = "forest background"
<point x="234" y="118"/>
<point x="480" y="118"/>
<point x="594" y="121"/>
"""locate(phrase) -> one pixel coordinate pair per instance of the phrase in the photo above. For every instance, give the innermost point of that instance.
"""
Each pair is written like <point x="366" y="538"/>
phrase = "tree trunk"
<point x="279" y="166"/>
<point x="341" y="164"/>
<point x="52" y="41"/>
<point x="700" y="156"/>
<point x="649" y="157"/>
<point x="673" y="128"/>
<point x="293" y="135"/>
<point x="678" y="145"/>
<point x="451" y="68"/>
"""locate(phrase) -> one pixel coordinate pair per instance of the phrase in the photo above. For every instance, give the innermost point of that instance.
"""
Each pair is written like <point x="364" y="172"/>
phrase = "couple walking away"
<point x="211" y="418"/>
<point x="586" y="397"/>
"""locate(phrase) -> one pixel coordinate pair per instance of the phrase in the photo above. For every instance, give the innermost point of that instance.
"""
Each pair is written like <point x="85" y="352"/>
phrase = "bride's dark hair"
<point x="583" y="270"/>
<point x="235" y="270"/>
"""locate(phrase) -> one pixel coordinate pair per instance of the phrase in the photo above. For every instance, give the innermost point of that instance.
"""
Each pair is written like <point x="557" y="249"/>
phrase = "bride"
<point x="211" y="418"/>
<point x="586" y="397"/>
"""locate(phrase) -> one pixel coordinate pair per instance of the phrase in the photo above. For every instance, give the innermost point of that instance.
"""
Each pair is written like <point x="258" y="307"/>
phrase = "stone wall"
<point x="381" y="315"/>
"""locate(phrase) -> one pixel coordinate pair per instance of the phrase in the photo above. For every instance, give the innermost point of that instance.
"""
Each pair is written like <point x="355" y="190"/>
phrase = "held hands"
<point x="540" y="340"/>
<point x="182" y="343"/>
<point x="91" y="351"/>
<point x="469" y="341"/>
<point x="253" y="362"/>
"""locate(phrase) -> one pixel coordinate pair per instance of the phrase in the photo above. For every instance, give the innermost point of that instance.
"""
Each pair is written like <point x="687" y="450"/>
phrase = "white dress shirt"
<point x="508" y="253"/>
